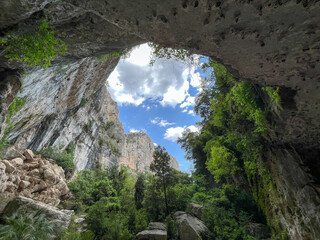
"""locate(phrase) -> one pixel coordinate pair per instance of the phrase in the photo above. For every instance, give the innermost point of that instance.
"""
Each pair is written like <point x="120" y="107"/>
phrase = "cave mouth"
<point x="157" y="98"/>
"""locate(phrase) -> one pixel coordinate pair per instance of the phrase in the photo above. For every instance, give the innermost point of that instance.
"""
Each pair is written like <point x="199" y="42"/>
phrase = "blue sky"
<point x="156" y="99"/>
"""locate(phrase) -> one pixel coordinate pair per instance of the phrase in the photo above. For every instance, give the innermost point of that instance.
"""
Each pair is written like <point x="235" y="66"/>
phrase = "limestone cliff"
<point x="69" y="104"/>
<point x="138" y="152"/>
<point x="274" y="42"/>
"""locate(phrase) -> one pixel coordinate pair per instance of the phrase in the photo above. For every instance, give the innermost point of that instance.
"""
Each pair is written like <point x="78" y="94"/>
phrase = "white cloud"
<point x="166" y="82"/>
<point x="188" y="102"/>
<point x="173" y="133"/>
<point x="191" y="112"/>
<point x="161" y="122"/>
<point x="140" y="55"/>
<point x="133" y="130"/>
<point x="184" y="110"/>
<point x="193" y="128"/>
<point x="154" y="144"/>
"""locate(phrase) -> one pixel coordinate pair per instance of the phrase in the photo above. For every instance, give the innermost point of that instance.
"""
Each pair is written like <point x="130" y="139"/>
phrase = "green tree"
<point x="161" y="167"/>
<point x="139" y="191"/>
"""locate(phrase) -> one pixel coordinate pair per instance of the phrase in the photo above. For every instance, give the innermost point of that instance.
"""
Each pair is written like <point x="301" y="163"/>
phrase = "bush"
<point x="63" y="158"/>
<point x="107" y="222"/>
<point x="89" y="187"/>
<point x="172" y="228"/>
<point x="27" y="227"/>
<point x="37" y="48"/>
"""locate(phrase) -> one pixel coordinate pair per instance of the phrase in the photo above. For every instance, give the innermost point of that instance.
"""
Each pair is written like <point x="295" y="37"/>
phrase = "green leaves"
<point x="63" y="158"/>
<point x="170" y="53"/>
<point x="222" y="163"/>
<point x="27" y="227"/>
<point x="34" y="49"/>
<point x="161" y="162"/>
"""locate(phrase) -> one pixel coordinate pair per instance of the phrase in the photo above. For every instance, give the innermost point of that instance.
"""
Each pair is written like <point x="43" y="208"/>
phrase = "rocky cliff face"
<point x="266" y="42"/>
<point x="138" y="152"/>
<point x="69" y="104"/>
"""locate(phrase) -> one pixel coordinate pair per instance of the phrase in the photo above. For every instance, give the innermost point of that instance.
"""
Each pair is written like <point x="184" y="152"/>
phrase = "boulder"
<point x="157" y="226"/>
<point x="9" y="167"/>
<point x="29" y="155"/>
<point x="196" y="210"/>
<point x="12" y="152"/>
<point x="3" y="177"/>
<point x="190" y="227"/>
<point x="155" y="231"/>
<point x="17" y="161"/>
<point x="60" y="218"/>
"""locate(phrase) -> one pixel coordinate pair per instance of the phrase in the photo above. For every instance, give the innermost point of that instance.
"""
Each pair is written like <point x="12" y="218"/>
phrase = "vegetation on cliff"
<point x="34" y="48"/>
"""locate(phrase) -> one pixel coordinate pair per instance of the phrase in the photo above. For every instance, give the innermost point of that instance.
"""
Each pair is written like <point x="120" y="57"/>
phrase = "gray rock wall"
<point x="69" y="104"/>
<point x="138" y="152"/>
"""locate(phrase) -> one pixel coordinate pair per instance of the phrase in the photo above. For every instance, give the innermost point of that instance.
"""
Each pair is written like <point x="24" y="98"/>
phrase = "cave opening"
<point x="156" y="96"/>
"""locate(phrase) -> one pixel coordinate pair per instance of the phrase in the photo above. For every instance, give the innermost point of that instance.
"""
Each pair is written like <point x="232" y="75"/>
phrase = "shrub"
<point x="114" y="150"/>
<point x="63" y="158"/>
<point x="83" y="102"/>
<point x="172" y="228"/>
<point x="27" y="227"/>
<point x="116" y="54"/>
<point x="37" y="48"/>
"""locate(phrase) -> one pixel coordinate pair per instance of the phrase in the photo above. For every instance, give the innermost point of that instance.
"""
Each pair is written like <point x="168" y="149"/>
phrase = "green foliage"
<point x="161" y="162"/>
<point x="74" y="235"/>
<point x="139" y="191"/>
<point x="107" y="196"/>
<point x="116" y="151"/>
<point x="27" y="227"/>
<point x="15" y="106"/>
<point x="153" y="200"/>
<point x="109" y="124"/>
<point x="221" y="162"/>
<point x="227" y="211"/>
<point x="230" y="146"/>
<point x="63" y="158"/>
<point x="37" y="48"/>
<point x="273" y="94"/>
<point x="170" y="53"/>
<point x="89" y="187"/>
<point x="73" y="232"/>
<point x="83" y="102"/>
<point x="116" y="54"/>
<point x="245" y="98"/>
<point x="161" y="167"/>
<point x="172" y="228"/>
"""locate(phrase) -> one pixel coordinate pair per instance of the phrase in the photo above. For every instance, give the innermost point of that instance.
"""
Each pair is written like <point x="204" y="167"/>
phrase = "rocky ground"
<point x="22" y="173"/>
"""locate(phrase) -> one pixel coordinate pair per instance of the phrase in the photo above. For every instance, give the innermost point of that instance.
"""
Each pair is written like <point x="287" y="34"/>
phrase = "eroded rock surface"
<point x="190" y="227"/>
<point x="138" y="152"/>
<point x="31" y="176"/>
<point x="70" y="104"/>
<point x="155" y="231"/>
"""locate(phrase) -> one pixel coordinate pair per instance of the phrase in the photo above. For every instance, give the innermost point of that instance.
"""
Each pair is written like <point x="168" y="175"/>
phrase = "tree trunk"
<point x="165" y="195"/>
